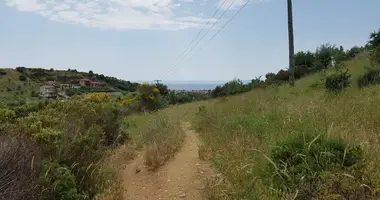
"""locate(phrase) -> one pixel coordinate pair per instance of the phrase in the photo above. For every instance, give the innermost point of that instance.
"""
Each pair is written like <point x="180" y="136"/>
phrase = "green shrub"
<point x="149" y="97"/>
<point x="6" y="114"/>
<point x="338" y="81"/>
<point x="20" y="69"/>
<point x="3" y="73"/>
<point x="371" y="77"/>
<point x="60" y="183"/>
<point x="22" y="78"/>
<point x="33" y="93"/>
<point x="76" y="133"/>
<point x="297" y="161"/>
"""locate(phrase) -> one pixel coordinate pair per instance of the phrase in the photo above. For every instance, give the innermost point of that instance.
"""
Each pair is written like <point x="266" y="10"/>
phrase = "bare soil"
<point x="182" y="177"/>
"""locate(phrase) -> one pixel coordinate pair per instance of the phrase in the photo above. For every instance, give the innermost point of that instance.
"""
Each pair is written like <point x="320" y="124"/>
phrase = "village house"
<point x="85" y="82"/>
<point x="89" y="83"/>
<point x="97" y="84"/>
<point x="53" y="83"/>
<point x="48" y="91"/>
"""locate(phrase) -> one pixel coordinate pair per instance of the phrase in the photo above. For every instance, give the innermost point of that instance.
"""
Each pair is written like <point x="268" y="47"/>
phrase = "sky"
<point x="143" y="39"/>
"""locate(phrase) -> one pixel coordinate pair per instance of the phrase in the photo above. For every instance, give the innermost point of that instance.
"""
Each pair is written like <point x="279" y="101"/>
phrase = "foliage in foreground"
<point x="338" y="81"/>
<point x="72" y="138"/>
<point x="297" y="162"/>
<point x="370" y="77"/>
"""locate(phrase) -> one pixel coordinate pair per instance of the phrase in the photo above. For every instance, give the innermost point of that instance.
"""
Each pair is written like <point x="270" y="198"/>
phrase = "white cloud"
<point x="114" y="14"/>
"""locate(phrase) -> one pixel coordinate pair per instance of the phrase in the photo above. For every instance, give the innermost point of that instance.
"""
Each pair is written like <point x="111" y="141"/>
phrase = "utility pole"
<point x="291" y="44"/>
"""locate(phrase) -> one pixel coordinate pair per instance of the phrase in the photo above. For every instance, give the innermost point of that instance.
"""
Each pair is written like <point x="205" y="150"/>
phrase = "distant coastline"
<point x="191" y="85"/>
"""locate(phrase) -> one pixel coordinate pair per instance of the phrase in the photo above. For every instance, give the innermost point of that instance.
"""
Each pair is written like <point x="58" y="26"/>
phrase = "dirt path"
<point x="180" y="178"/>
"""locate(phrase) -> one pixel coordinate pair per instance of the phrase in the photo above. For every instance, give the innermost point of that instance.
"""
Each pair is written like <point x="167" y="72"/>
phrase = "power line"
<point x="228" y="8"/>
<point x="225" y="11"/>
<point x="241" y="8"/>
<point x="202" y="29"/>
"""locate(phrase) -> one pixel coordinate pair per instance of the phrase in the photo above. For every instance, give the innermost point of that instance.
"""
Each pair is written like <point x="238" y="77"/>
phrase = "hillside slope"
<point x="23" y="83"/>
<point x="296" y="143"/>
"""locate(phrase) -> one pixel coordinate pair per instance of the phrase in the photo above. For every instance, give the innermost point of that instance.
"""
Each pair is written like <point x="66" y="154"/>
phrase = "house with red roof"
<point x="53" y="83"/>
<point x="85" y="82"/>
<point x="90" y="83"/>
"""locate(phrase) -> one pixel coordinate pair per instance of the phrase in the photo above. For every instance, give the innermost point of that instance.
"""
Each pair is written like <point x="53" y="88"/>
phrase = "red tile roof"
<point x="50" y="83"/>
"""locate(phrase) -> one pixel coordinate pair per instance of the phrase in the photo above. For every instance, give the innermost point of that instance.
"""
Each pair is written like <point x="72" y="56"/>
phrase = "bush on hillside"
<point x="33" y="93"/>
<point x="3" y="73"/>
<point x="233" y="87"/>
<point x="20" y="69"/>
<point x="22" y="78"/>
<point x="338" y="81"/>
<point x="374" y="46"/>
<point x="297" y="162"/>
<point x="149" y="97"/>
<point x="370" y="77"/>
<point x="353" y="52"/>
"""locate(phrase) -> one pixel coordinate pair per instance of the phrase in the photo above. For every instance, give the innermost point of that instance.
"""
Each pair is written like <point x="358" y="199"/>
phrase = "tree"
<point x="374" y="39"/>
<point x="257" y="82"/>
<point x="163" y="89"/>
<point x="270" y="76"/>
<point x="324" y="56"/>
<point x="91" y="73"/>
<point x="353" y="52"/>
<point x="22" y="78"/>
<point x="217" y="92"/>
<point x="20" y="69"/>
<point x="374" y="46"/>
<point x="233" y="87"/>
<point x="291" y="43"/>
<point x="304" y="63"/>
<point x="282" y="75"/>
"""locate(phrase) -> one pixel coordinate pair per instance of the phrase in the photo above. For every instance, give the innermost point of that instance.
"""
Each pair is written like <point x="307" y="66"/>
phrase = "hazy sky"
<point x="141" y="39"/>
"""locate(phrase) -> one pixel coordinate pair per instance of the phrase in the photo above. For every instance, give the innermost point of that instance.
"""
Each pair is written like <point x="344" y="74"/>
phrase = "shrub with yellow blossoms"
<point x="128" y="101"/>
<point x="99" y="96"/>
<point x="148" y="96"/>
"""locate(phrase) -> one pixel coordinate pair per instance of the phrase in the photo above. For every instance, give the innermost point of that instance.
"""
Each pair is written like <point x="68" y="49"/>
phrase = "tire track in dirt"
<point x="181" y="178"/>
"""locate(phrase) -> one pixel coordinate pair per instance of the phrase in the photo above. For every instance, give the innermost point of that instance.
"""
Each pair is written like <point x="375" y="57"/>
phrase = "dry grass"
<point x="159" y="134"/>
<point x="19" y="169"/>
<point x="163" y="140"/>
<point x="240" y="132"/>
<point x="115" y="164"/>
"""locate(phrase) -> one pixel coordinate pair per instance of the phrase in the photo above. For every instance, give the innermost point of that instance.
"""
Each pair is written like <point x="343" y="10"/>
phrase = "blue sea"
<point x="192" y="85"/>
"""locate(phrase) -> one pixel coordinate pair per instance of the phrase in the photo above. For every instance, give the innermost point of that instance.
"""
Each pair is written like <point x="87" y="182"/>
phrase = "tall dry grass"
<point x="159" y="136"/>
<point x="241" y="132"/>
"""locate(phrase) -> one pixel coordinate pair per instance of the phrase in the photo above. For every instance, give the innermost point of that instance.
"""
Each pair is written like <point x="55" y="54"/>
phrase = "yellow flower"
<point x="156" y="90"/>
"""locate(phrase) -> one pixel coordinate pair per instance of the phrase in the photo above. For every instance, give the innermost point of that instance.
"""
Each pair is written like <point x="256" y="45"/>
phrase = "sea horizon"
<point x="191" y="84"/>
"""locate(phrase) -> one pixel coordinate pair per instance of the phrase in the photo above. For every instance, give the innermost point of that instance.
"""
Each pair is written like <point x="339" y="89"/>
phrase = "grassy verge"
<point x="160" y="137"/>
<point x="294" y="143"/>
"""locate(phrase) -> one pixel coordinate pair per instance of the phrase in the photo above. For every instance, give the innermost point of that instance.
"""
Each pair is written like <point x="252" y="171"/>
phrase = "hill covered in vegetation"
<point x="21" y="84"/>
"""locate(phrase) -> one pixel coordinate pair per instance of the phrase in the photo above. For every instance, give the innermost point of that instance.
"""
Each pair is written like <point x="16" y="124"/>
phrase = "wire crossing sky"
<point x="139" y="40"/>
